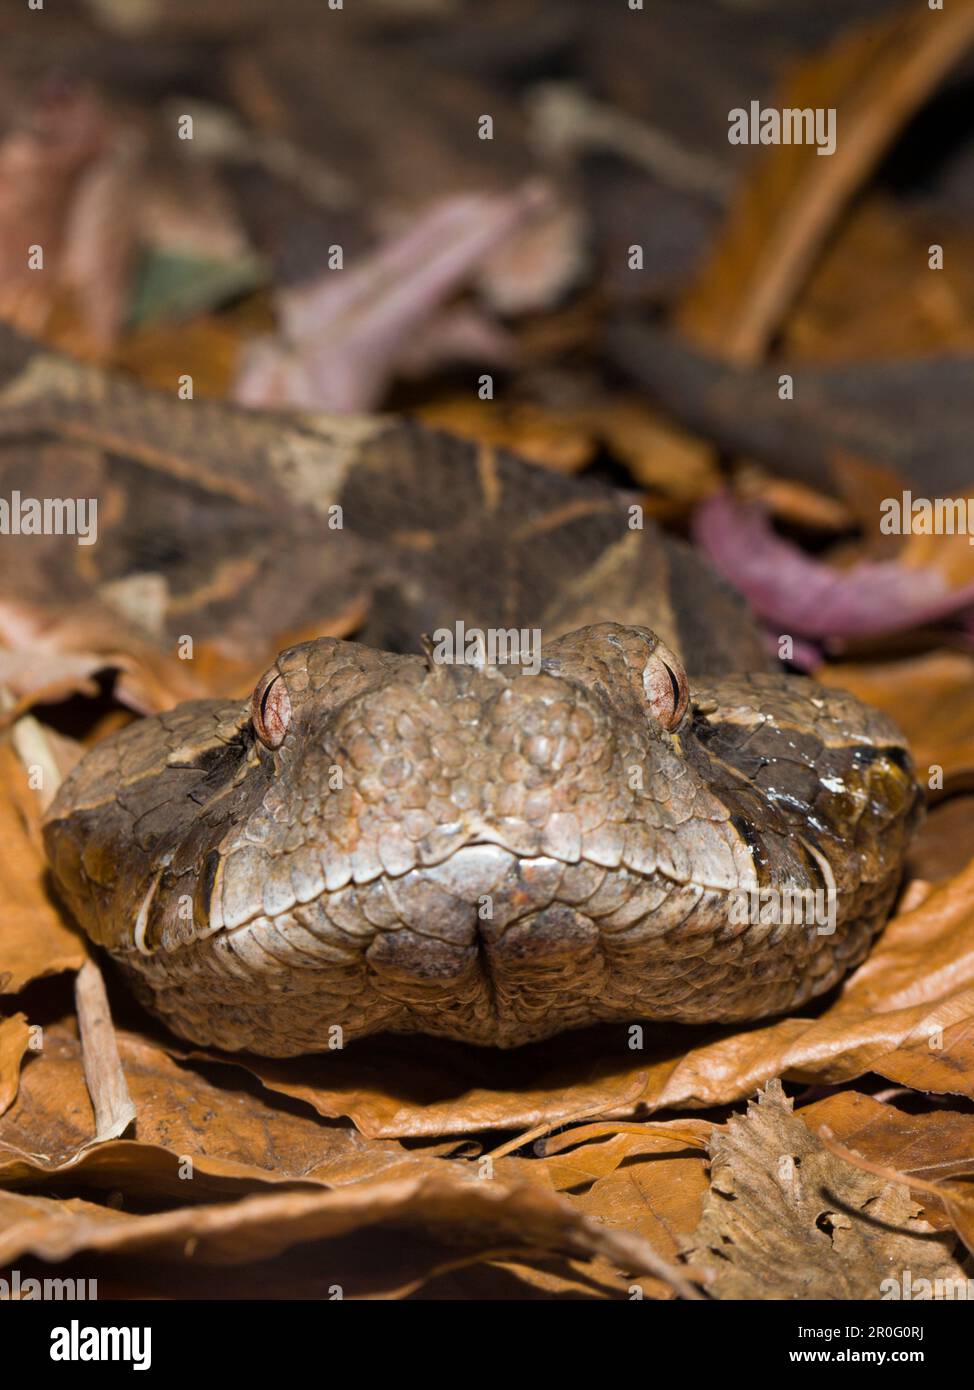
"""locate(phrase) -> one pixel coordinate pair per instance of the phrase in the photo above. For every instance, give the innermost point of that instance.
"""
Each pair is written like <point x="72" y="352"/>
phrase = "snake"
<point x="492" y="852"/>
<point x="624" y="811"/>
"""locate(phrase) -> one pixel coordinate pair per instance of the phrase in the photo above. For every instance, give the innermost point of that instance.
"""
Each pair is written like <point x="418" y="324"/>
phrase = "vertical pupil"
<point x="264" y="702"/>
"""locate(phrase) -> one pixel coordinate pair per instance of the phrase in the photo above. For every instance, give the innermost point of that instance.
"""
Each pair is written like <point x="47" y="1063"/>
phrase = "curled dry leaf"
<point x="57" y="650"/>
<point x="14" y="1037"/>
<point x="199" y="1142"/>
<point x="110" y="1098"/>
<point x="899" y="308"/>
<point x="193" y="1140"/>
<point x="426" y="1087"/>
<point x="932" y="1145"/>
<point x="785" y="1218"/>
<point x="50" y="756"/>
<point x="812" y="599"/>
<point x="37" y="676"/>
<point x="488" y="1215"/>
<point x="650" y="1179"/>
<point x="554" y="439"/>
<point x="956" y="1202"/>
<point x="343" y="335"/>
<point x="35" y="940"/>
<point x="658" y="454"/>
<point x="875" y="77"/>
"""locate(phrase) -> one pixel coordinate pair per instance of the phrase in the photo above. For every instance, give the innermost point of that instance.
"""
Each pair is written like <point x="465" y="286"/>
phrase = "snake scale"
<point x="378" y="839"/>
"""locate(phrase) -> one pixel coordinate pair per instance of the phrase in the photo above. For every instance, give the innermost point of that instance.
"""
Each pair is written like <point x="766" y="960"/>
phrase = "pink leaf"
<point x="806" y="597"/>
<point x="346" y="335"/>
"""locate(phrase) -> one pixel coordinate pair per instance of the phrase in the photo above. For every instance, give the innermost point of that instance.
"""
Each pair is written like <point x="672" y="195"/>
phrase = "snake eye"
<point x="270" y="709"/>
<point x="665" y="684"/>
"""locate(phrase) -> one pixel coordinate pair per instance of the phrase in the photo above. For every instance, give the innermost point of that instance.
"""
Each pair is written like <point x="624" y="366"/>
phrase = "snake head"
<point x="490" y="851"/>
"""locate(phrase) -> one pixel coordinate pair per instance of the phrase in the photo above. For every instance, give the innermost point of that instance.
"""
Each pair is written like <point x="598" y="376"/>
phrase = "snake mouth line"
<point x="507" y="859"/>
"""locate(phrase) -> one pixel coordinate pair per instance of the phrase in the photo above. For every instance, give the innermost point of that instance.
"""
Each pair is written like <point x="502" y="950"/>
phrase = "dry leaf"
<point x="901" y="307"/>
<point x="193" y="1141"/>
<point x="932" y="1145"/>
<point x="34" y="940"/>
<point x="658" y="454"/>
<point x="38" y="676"/>
<point x="110" y="1099"/>
<point x="343" y="335"/>
<point x="875" y="77"/>
<point x="945" y="842"/>
<point x="555" y="439"/>
<point x="637" y="1179"/>
<point x="956" y="1200"/>
<point x="809" y="598"/>
<point x="786" y="1219"/>
<point x="14" y="1037"/>
<point x="480" y="1213"/>
<point x="428" y="1087"/>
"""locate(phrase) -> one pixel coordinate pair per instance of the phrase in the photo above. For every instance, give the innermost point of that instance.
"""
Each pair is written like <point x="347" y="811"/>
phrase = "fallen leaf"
<point x="957" y="1202"/>
<point x="945" y="840"/>
<point x="901" y="308"/>
<point x="787" y="1219"/>
<point x="932" y="1145"/>
<point x="342" y="336"/>
<point x="34" y="941"/>
<point x="658" y="454"/>
<point x="39" y="676"/>
<point x="637" y="1178"/>
<point x="874" y="77"/>
<point x="551" y="438"/>
<point x="791" y="502"/>
<point x="192" y="1140"/>
<point x="482" y="1214"/>
<point x="425" y="1087"/>
<point x="110" y="1099"/>
<point x="806" y="597"/>
<point x="14" y="1037"/>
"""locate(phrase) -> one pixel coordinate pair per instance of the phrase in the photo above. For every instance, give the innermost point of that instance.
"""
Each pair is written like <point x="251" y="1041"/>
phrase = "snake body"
<point x="379" y="840"/>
